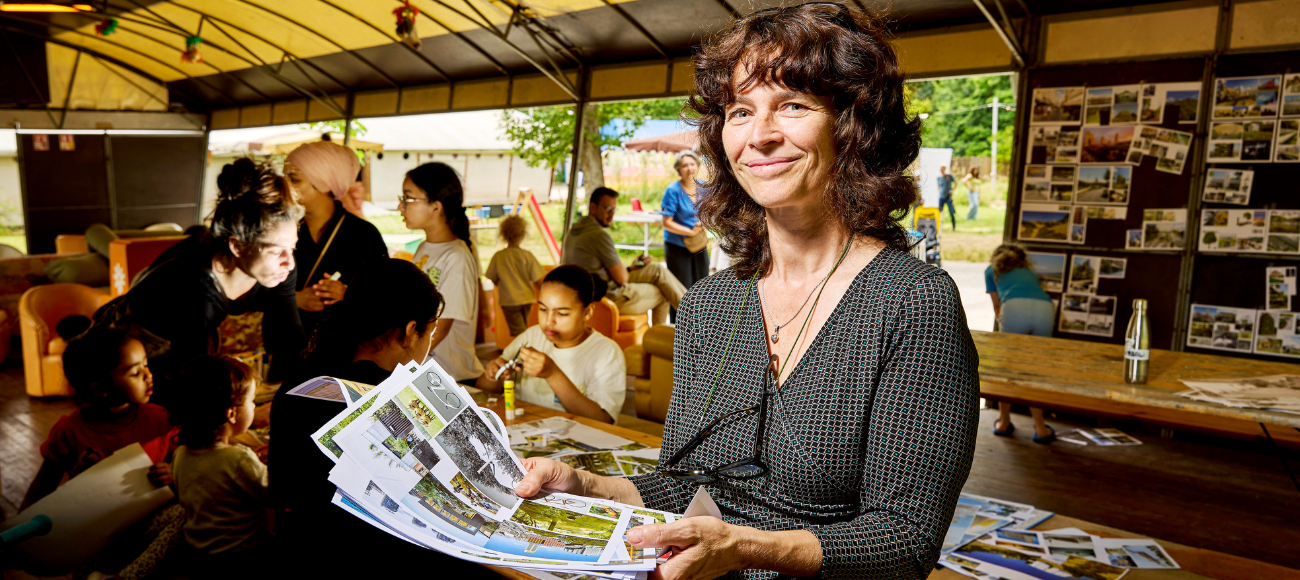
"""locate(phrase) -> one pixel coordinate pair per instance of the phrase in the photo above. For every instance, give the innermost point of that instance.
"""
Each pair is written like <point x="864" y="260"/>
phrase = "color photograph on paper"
<point x="1062" y="173"/>
<point x="1023" y="565"/>
<point x="433" y="502"/>
<point x="1045" y="222"/>
<point x="1036" y="191"/>
<point x="1286" y="148"/>
<point x="1228" y="186"/>
<point x="326" y="439"/>
<point x="543" y="517"/>
<point x="513" y="538"/>
<point x="322" y="388"/>
<point x="1062" y="192"/>
<point x="1112" y="268"/>
<point x="1036" y="172"/>
<point x="1277" y="333"/>
<point x="1057" y="105"/>
<point x="1186" y="98"/>
<point x="1164" y="229"/>
<point x="481" y="457"/>
<point x="1083" y="274"/>
<point x="1078" y="224"/>
<point x="1246" y="97"/>
<point x="1050" y="269"/>
<point x="1103" y="184"/>
<point x="1222" y="328"/>
<point x="600" y="462"/>
<point x="1133" y="240"/>
<point x="1106" y="144"/>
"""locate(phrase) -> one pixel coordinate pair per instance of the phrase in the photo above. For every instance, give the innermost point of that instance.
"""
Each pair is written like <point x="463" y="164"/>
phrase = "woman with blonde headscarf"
<point x="332" y="244"/>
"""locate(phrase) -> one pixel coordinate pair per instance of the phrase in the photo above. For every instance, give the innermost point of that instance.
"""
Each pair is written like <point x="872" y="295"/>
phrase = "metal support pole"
<point x="993" y="174"/>
<point x="576" y="162"/>
<point x="347" y="120"/>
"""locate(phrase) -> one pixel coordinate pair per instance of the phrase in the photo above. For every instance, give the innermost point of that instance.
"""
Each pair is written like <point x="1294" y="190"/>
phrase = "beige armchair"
<point x="651" y="365"/>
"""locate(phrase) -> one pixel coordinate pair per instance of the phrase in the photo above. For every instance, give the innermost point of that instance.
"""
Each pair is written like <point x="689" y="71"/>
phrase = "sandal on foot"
<point x="1050" y="437"/>
<point x="1011" y="428"/>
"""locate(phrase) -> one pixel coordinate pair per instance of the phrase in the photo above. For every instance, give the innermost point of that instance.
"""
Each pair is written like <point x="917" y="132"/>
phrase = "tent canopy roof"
<point x="264" y="51"/>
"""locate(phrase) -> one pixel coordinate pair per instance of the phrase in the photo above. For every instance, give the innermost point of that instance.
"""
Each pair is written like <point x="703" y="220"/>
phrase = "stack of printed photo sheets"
<point x="1278" y="393"/>
<point x="582" y="447"/>
<point x="416" y="457"/>
<point x="990" y="539"/>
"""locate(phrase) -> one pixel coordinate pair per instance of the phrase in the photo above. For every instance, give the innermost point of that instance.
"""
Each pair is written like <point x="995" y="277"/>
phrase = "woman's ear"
<point x="411" y="335"/>
<point x="435" y="206"/>
<point x="234" y="247"/>
<point x="232" y="415"/>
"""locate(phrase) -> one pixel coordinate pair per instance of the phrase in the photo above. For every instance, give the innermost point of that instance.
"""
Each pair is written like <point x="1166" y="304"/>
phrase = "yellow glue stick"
<point x="510" y="399"/>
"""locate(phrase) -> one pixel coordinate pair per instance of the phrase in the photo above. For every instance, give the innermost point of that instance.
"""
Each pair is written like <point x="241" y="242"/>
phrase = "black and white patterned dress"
<point x="871" y="436"/>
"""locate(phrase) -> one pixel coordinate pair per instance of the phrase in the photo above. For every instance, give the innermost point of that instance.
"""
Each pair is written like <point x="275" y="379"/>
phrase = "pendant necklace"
<point x="776" y="332"/>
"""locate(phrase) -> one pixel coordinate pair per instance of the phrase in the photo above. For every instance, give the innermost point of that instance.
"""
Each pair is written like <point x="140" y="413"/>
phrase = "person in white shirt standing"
<point x="433" y="200"/>
<point x="566" y="364"/>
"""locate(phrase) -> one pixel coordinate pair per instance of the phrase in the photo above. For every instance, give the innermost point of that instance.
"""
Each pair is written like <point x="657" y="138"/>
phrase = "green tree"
<point x="543" y="136"/>
<point x="957" y="118"/>
<point x="335" y="126"/>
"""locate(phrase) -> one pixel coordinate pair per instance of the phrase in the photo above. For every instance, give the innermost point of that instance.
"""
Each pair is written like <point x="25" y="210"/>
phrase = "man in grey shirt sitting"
<point x="636" y="289"/>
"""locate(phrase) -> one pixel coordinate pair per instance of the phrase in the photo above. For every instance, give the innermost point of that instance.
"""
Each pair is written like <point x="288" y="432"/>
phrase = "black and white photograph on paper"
<point x="441" y="392"/>
<point x="481" y="457"/>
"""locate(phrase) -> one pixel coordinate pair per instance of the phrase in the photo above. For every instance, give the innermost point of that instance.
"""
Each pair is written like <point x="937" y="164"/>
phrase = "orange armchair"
<point x="39" y="310"/>
<point x="651" y="366"/>
<point x="625" y="329"/>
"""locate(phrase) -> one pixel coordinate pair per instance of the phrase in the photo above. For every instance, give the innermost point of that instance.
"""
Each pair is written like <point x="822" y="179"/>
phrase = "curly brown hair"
<point x="252" y="199"/>
<point x="823" y="49"/>
<point x="1008" y="257"/>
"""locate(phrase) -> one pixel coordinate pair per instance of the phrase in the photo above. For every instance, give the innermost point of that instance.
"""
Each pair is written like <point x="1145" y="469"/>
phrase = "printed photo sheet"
<point x="1279" y="287"/>
<point x="1260" y="231"/>
<point x="1222" y="328"/>
<point x="1276" y="333"/>
<point x="1228" y="186"/>
<point x="1164" y="229"/>
<point x="1272" y="392"/>
<point x="420" y="448"/>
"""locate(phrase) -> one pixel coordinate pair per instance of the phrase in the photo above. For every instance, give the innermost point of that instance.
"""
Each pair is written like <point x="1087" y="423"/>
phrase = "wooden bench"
<point x="1085" y="378"/>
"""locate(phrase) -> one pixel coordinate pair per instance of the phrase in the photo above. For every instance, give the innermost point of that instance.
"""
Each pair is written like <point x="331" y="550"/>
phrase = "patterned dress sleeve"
<point x="920" y="443"/>
<point x="658" y="491"/>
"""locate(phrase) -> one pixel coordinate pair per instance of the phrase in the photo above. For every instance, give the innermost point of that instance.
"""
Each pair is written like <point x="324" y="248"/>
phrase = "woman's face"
<point x="299" y="182"/>
<point x="687" y="168"/>
<point x="271" y="261"/>
<point x="560" y="314"/>
<point x="420" y="213"/>
<point x="780" y="144"/>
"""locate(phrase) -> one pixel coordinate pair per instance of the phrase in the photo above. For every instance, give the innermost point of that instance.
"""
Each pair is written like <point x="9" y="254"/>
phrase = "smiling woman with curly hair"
<point x="825" y="387"/>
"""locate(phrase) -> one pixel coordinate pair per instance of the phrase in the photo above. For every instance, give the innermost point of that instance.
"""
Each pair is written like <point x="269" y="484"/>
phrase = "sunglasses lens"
<point x="690" y="475"/>
<point x="743" y="470"/>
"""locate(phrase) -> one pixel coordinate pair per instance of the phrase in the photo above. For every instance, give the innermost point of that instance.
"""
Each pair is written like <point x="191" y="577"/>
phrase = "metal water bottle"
<point x="1137" y="344"/>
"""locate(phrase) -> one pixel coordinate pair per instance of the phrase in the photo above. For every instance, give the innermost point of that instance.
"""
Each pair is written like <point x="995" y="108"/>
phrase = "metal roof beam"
<point x="732" y="11"/>
<point x="1007" y="39"/>
<point x="471" y="43"/>
<point x="345" y="49"/>
<point x="30" y="81"/>
<point x="637" y="25"/>
<point x="67" y="97"/>
<point x="558" y="79"/>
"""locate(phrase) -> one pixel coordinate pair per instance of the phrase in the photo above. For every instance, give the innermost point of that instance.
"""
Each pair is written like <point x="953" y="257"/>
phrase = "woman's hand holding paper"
<point x="705" y="547"/>
<point x="546" y="476"/>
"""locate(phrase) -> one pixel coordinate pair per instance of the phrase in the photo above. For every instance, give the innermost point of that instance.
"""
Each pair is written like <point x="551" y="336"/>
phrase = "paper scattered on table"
<point x="416" y="457"/>
<point x="977" y="515"/>
<point x="582" y="447"/>
<point x="1271" y="392"/>
<point x="1071" y="553"/>
<point x="1103" y="437"/>
<point x="87" y="512"/>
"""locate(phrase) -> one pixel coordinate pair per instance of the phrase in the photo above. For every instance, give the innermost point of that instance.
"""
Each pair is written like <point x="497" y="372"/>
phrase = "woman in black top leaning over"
<point x="331" y="240"/>
<point x="387" y="320"/>
<point x="243" y="263"/>
<point x="839" y="370"/>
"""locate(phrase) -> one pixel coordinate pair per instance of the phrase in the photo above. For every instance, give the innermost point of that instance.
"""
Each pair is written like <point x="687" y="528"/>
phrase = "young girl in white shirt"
<point x="565" y="364"/>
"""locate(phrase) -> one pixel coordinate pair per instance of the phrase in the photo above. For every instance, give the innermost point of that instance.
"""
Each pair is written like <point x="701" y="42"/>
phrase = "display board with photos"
<point x="1106" y="143"/>
<point x="1244" y="306"/>
<point x="1093" y="292"/>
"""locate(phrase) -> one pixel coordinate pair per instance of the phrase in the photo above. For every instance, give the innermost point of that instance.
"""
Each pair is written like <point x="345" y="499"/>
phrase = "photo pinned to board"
<point x="1103" y="184"/>
<point x="1067" y="145"/>
<point x="1059" y="105"/>
<point x="1106" y="145"/>
<point x="1240" y="141"/>
<point x="1164" y="229"/>
<point x="1105" y="212"/>
<point x="1284" y="231"/>
<point x="1088" y="314"/>
<point x="1286" y="147"/>
<point x="1185" y="97"/>
<point x="1233" y="230"/>
<point x="1276" y="333"/>
<point x="1246" y="97"/>
<point x="1170" y="148"/>
<point x="1279" y="284"/>
<point x="1291" y="95"/>
<point x="1048" y="183"/>
<point x="1044" y="222"/>
<point x="1228" y="186"/>
<point x="1112" y="268"/>
<point x="1133" y="239"/>
<point x="1222" y="328"/>
<point x="1079" y="225"/>
<point x="1083" y="274"/>
<point x="1050" y="269"/>
<point x="1112" y="105"/>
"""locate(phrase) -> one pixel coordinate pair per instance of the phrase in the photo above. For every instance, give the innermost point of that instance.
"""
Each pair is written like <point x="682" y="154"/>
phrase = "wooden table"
<point x="1197" y="564"/>
<point x="1089" y="376"/>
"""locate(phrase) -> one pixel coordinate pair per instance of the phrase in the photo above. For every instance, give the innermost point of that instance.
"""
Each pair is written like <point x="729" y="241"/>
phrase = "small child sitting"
<point x="513" y="271"/>
<point x="222" y="486"/>
<point x="109" y="374"/>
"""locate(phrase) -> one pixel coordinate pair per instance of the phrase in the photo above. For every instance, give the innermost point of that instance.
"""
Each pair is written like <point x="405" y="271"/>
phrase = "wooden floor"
<point x="1204" y="493"/>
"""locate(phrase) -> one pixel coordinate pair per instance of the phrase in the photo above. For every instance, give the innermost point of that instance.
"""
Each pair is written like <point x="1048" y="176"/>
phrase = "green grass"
<point x="18" y="240"/>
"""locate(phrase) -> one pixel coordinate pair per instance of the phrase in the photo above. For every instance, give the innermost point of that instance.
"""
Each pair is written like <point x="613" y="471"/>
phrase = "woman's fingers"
<point x="544" y="475"/>
<point x="681" y="533"/>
